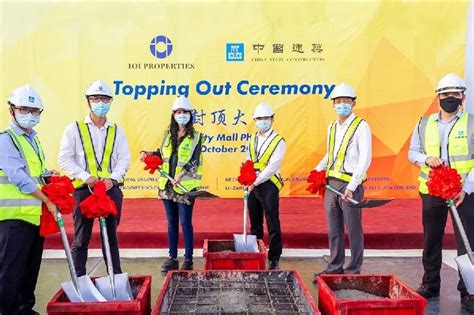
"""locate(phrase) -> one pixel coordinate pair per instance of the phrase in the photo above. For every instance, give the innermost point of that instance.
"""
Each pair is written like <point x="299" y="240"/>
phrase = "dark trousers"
<point x="264" y="198"/>
<point x="83" y="232"/>
<point x="21" y="248"/>
<point x="435" y="214"/>
<point x="176" y="212"/>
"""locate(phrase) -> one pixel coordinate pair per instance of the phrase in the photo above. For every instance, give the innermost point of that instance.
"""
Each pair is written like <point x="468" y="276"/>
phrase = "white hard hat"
<point x="451" y="83"/>
<point x="263" y="110"/>
<point x="182" y="102"/>
<point x="25" y="96"/>
<point x="99" y="88"/>
<point x="343" y="90"/>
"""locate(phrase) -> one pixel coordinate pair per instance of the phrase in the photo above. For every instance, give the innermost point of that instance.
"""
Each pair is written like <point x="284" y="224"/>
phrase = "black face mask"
<point x="450" y="104"/>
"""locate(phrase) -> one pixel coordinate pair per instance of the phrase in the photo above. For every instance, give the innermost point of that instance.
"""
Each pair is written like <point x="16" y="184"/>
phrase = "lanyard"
<point x="99" y="164"/>
<point x="257" y="150"/>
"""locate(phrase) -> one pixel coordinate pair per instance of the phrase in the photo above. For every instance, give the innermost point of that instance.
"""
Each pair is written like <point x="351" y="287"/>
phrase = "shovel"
<point x="465" y="262"/>
<point x="79" y="289"/>
<point x="114" y="287"/>
<point x="245" y="243"/>
<point x="199" y="193"/>
<point x="365" y="203"/>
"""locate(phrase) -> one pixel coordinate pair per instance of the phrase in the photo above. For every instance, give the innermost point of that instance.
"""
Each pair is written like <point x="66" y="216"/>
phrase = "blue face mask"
<point x="100" y="109"/>
<point x="27" y="121"/>
<point x="263" y="124"/>
<point x="343" y="109"/>
<point x="182" y="119"/>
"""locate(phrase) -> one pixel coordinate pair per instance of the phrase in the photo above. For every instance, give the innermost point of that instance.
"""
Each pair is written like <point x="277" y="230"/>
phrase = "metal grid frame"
<point x="276" y="292"/>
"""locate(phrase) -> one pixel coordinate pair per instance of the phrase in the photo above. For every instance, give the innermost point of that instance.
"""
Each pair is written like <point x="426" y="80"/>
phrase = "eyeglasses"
<point x="28" y="110"/>
<point x="97" y="99"/>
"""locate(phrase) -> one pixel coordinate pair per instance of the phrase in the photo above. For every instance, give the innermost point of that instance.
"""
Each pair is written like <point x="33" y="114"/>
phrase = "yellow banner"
<point x="228" y="57"/>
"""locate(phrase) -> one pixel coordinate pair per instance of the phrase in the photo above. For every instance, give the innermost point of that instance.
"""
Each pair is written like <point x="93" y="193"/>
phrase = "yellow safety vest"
<point x="336" y="169"/>
<point x="15" y="205"/>
<point x="460" y="145"/>
<point x="185" y="152"/>
<point x="261" y="163"/>
<point x="102" y="169"/>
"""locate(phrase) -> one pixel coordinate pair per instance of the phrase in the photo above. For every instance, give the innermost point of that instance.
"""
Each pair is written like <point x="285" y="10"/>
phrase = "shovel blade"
<point x="467" y="272"/>
<point x="201" y="194"/>
<point x="371" y="203"/>
<point x="242" y="246"/>
<point x="123" y="291"/>
<point x="71" y="292"/>
<point x="87" y="291"/>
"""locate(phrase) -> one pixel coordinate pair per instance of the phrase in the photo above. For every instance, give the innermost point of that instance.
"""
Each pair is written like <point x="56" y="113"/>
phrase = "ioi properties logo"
<point x="161" y="47"/>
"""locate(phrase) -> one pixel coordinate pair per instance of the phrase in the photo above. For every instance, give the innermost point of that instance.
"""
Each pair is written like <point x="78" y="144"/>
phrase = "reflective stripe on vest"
<point x="15" y="205"/>
<point x="101" y="169"/>
<point x="336" y="169"/>
<point x="460" y="145"/>
<point x="185" y="152"/>
<point x="260" y="163"/>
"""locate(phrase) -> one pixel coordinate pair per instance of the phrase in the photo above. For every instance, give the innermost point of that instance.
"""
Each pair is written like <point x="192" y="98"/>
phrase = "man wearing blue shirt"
<point x="445" y="137"/>
<point x="22" y="166"/>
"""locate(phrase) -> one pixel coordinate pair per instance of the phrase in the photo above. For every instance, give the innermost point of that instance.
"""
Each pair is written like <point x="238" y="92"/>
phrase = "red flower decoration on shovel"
<point x="317" y="182"/>
<point x="98" y="204"/>
<point x="444" y="182"/>
<point x="59" y="190"/>
<point x="248" y="174"/>
<point x="152" y="163"/>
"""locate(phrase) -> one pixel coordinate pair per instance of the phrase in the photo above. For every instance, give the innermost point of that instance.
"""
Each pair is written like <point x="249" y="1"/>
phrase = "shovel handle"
<point x="457" y="220"/>
<point x="110" y="269"/>
<point x="337" y="192"/>
<point x="246" y="213"/>
<point x="67" y="250"/>
<point x="162" y="172"/>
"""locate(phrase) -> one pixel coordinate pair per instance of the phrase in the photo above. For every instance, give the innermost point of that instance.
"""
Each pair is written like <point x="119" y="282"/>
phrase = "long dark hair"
<point x="174" y="128"/>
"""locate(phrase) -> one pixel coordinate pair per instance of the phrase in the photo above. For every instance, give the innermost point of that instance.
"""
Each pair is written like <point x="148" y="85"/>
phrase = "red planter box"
<point x="234" y="292"/>
<point x="141" y="288"/>
<point x="398" y="299"/>
<point x="221" y="255"/>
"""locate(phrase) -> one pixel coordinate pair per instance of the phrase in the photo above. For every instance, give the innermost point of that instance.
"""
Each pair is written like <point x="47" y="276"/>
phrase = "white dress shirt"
<point x="359" y="151"/>
<point x="71" y="157"/>
<point x="274" y="164"/>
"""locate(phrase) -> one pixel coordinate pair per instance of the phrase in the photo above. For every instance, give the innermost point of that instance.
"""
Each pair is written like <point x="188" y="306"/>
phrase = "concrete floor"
<point x="55" y="271"/>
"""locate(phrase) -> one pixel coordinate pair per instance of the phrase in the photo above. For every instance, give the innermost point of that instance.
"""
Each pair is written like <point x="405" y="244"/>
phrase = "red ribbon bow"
<point x="317" y="182"/>
<point x="152" y="163"/>
<point x="444" y="182"/>
<point x="248" y="174"/>
<point x="98" y="204"/>
<point x="59" y="190"/>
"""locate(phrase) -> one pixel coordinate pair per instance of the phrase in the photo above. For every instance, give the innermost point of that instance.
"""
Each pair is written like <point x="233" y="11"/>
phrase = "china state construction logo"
<point x="161" y="47"/>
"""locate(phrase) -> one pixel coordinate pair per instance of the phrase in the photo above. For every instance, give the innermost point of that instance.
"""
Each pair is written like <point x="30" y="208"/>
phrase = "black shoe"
<point x="273" y="265"/>
<point x="425" y="291"/>
<point x="467" y="303"/>
<point x="327" y="272"/>
<point x="170" y="264"/>
<point x="187" y="265"/>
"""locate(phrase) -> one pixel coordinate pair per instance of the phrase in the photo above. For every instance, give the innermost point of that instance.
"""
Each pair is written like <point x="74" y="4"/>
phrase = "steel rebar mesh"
<point x="243" y="292"/>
